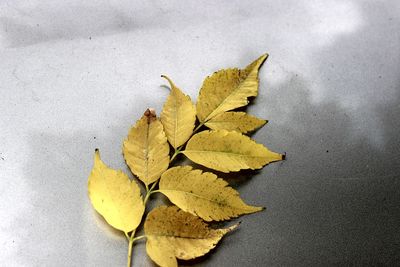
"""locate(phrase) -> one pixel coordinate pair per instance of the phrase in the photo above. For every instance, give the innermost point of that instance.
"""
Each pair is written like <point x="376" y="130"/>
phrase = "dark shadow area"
<point x="352" y="214"/>
<point x="335" y="201"/>
<point x="235" y="179"/>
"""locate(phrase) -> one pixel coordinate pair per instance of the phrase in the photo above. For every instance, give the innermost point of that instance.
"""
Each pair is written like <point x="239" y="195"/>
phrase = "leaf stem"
<point x="146" y="197"/>
<point x="178" y="150"/>
<point x="139" y="237"/>
<point x="130" y="246"/>
<point x="149" y="191"/>
<point x="198" y="127"/>
<point x="153" y="185"/>
<point x="176" y="153"/>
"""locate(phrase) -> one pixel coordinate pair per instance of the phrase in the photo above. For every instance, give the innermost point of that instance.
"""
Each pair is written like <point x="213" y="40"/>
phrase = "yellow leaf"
<point x="115" y="196"/>
<point x="235" y="121"/>
<point x="226" y="151"/>
<point x="146" y="149"/>
<point x="172" y="233"/>
<point x="203" y="194"/>
<point x="228" y="89"/>
<point x="178" y="116"/>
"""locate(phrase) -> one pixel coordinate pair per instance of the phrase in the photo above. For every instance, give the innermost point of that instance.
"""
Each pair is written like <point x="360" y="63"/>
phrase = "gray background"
<point x="75" y="76"/>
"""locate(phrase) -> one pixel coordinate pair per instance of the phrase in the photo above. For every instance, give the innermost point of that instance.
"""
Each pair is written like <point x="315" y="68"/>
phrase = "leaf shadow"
<point x="234" y="179"/>
<point x="110" y="231"/>
<point x="164" y="86"/>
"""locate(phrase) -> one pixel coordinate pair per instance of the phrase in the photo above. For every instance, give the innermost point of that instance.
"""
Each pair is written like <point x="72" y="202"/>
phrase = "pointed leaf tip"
<point x="171" y="83"/>
<point x="150" y="112"/>
<point x="263" y="58"/>
<point x="234" y="227"/>
<point x="97" y="156"/>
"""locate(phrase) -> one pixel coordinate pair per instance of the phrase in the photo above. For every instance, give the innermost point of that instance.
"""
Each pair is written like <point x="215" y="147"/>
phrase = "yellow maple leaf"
<point x="172" y="233"/>
<point x="178" y="116"/>
<point x="203" y="194"/>
<point x="115" y="196"/>
<point x="228" y="151"/>
<point x="228" y="89"/>
<point x="146" y="149"/>
<point x="235" y="121"/>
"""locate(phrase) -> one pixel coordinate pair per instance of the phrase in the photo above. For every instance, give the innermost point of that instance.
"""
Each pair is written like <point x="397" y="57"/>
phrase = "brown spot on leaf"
<point x="150" y="113"/>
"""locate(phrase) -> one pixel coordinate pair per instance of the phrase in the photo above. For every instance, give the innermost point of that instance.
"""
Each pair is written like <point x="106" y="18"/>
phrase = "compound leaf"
<point x="235" y="121"/>
<point x="203" y="194"/>
<point x="172" y="233"/>
<point x="115" y="196"/>
<point x="178" y="116"/>
<point x="146" y="149"/>
<point x="228" y="89"/>
<point x="228" y="151"/>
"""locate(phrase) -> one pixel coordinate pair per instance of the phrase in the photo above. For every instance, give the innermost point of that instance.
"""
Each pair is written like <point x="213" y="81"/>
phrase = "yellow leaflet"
<point x="203" y="194"/>
<point x="115" y="197"/>
<point x="178" y="116"/>
<point x="226" y="151"/>
<point x="228" y="89"/>
<point x="146" y="149"/>
<point x="235" y="121"/>
<point x="172" y="233"/>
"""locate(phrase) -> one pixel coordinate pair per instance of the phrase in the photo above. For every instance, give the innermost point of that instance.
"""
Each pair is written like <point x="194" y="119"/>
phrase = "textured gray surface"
<point x="76" y="76"/>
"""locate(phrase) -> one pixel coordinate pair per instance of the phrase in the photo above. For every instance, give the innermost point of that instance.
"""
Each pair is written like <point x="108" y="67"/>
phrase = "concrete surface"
<point x="75" y="75"/>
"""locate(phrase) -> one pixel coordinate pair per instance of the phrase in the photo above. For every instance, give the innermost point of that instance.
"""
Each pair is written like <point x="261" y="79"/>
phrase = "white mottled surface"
<point x="76" y="75"/>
